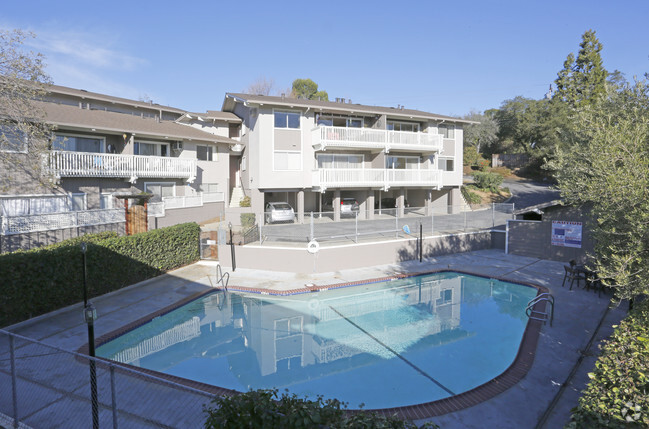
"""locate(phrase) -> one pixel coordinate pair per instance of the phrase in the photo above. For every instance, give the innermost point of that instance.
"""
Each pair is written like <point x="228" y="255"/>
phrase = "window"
<point x="287" y="119"/>
<point x="160" y="190"/>
<point x="287" y="161"/>
<point x="151" y="148"/>
<point x="339" y="121"/>
<point x="77" y="143"/>
<point x="448" y="131"/>
<point x="445" y="164"/>
<point x="77" y="202"/>
<point x="12" y="139"/>
<point x="106" y="201"/>
<point x="402" y="162"/>
<point x="402" y="126"/>
<point x="205" y="153"/>
<point x="340" y="161"/>
<point x="445" y="296"/>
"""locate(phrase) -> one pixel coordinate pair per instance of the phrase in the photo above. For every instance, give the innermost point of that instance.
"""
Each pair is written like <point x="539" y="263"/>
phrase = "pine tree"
<point x="582" y="80"/>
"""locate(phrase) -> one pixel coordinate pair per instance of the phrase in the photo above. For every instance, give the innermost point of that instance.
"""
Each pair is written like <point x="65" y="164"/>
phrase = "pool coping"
<point x="516" y="371"/>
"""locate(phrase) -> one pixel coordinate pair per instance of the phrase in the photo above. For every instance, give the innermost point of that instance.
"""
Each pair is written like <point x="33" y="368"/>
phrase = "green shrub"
<point x="42" y="280"/>
<point x="618" y="393"/>
<point x="471" y="156"/>
<point x="487" y="181"/>
<point x="503" y="171"/>
<point x="245" y="202"/>
<point x="470" y="197"/>
<point x="265" y="409"/>
<point x="247" y="219"/>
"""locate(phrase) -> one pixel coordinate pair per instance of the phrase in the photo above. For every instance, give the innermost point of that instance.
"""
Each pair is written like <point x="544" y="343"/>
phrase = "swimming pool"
<point x="388" y="344"/>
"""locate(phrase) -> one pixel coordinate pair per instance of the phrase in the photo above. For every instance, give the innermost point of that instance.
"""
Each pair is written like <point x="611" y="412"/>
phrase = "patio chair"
<point x="573" y="274"/>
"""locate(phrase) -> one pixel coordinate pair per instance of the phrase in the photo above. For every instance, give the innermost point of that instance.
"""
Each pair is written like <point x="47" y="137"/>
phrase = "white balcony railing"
<point x="375" y="177"/>
<point x="53" y="221"/>
<point x="193" y="200"/>
<point x="85" y="164"/>
<point x="367" y="138"/>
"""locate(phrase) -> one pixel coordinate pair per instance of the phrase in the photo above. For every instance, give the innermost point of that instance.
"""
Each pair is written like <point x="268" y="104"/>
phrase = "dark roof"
<point x="82" y="93"/>
<point x="538" y="208"/>
<point x="117" y="123"/>
<point x="339" y="106"/>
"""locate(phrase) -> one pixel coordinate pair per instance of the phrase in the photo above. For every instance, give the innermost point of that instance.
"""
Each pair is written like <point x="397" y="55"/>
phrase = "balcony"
<point x="324" y="137"/>
<point x="85" y="164"/>
<point x="384" y="178"/>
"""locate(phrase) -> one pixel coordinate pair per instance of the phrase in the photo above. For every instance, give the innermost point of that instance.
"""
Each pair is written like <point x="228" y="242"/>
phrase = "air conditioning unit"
<point x="177" y="146"/>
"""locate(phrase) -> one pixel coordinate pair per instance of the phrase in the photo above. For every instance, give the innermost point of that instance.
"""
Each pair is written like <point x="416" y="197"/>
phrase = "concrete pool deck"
<point x="577" y="316"/>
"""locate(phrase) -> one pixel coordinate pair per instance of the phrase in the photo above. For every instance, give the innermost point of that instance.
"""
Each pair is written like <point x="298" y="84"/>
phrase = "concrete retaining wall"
<point x="335" y="258"/>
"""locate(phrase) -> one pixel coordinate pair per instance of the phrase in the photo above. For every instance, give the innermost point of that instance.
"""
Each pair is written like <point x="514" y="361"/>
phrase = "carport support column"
<point x="336" y="204"/>
<point x="401" y="200"/>
<point x="300" y="206"/>
<point x="428" y="203"/>
<point x="370" y="204"/>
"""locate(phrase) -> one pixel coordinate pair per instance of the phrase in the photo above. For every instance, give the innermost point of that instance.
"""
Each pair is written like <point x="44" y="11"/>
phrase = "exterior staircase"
<point x="235" y="197"/>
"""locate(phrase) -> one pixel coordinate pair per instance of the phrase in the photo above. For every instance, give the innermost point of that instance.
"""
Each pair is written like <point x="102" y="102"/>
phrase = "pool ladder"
<point x="540" y="315"/>
<point x="223" y="278"/>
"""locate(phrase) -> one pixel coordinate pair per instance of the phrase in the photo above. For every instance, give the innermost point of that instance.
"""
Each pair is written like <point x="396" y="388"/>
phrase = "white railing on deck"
<point x="369" y="138"/>
<point x="85" y="164"/>
<point x="375" y="177"/>
<point x="193" y="200"/>
<point x="53" y="221"/>
<point x="213" y="197"/>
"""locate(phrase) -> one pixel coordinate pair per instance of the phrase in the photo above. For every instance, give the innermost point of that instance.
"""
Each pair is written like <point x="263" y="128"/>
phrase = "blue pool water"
<point x="387" y="344"/>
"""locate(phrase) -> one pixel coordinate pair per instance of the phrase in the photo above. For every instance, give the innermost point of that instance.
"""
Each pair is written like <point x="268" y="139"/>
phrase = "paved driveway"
<point x="527" y="193"/>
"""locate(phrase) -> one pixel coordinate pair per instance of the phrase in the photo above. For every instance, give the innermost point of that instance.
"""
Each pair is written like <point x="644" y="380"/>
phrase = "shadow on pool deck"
<point x="577" y="315"/>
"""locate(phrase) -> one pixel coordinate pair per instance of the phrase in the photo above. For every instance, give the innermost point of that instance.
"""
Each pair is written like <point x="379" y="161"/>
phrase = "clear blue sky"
<point x="446" y="57"/>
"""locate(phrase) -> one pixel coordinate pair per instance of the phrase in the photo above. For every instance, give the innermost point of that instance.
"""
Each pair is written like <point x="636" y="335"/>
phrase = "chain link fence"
<point x="46" y="387"/>
<point x="382" y="223"/>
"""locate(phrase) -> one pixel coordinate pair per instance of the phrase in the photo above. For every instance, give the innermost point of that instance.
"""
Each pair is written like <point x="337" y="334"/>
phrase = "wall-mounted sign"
<point x="566" y="234"/>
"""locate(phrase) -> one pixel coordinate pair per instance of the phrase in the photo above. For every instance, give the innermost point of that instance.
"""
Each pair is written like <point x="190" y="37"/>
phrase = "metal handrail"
<point x="221" y="277"/>
<point x="539" y="315"/>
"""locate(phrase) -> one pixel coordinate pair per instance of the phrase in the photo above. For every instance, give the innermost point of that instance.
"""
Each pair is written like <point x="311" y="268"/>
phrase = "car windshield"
<point x="348" y="201"/>
<point x="281" y="206"/>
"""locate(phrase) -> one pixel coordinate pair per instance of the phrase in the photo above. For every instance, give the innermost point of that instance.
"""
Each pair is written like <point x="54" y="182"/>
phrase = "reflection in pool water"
<point x="386" y="344"/>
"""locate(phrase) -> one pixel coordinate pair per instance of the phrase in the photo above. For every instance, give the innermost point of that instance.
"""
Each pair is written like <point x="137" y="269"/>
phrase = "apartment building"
<point x="313" y="153"/>
<point x="199" y="166"/>
<point x="104" y="148"/>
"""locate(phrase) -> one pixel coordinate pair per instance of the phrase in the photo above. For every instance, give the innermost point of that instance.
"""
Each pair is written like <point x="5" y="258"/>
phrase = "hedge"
<point x="265" y="409"/>
<point x="42" y="280"/>
<point x="618" y="393"/>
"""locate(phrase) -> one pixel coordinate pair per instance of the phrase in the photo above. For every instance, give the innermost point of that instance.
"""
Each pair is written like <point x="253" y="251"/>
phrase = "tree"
<point x="480" y="137"/>
<point x="607" y="171"/>
<point x="582" y="80"/>
<point x="24" y="135"/>
<point x="533" y="126"/>
<point x="306" y="88"/>
<point x="261" y="86"/>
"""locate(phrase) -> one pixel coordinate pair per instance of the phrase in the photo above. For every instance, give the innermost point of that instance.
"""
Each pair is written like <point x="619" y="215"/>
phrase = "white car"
<point x="279" y="212"/>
